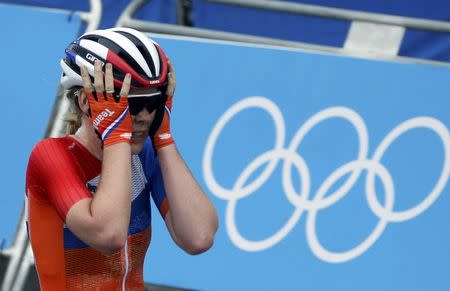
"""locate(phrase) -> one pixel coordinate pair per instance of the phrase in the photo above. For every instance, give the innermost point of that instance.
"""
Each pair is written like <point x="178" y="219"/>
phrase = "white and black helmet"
<point x="128" y="50"/>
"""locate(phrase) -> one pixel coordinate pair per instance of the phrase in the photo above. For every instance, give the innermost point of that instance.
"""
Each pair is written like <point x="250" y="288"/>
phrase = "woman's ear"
<point x="83" y="102"/>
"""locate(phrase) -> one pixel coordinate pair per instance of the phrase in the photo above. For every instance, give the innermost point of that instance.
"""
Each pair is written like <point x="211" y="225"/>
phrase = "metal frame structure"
<point x="340" y="14"/>
<point x="379" y="22"/>
<point x="126" y="19"/>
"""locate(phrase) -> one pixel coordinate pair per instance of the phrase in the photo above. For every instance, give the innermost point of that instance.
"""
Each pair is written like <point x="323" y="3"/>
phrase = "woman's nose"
<point x="143" y="115"/>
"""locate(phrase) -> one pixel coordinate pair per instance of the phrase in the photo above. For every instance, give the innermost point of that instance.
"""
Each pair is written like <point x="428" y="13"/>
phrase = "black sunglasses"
<point x="149" y="101"/>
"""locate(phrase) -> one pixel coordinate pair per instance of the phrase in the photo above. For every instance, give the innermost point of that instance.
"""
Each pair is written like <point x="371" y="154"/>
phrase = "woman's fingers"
<point x="87" y="85"/>
<point x="109" y="80"/>
<point x="98" y="77"/>
<point x="172" y="80"/>
<point x="125" y="86"/>
<point x="103" y="82"/>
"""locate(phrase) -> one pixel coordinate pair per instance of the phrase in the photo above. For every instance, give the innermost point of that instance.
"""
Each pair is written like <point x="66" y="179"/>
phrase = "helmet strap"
<point x="159" y="114"/>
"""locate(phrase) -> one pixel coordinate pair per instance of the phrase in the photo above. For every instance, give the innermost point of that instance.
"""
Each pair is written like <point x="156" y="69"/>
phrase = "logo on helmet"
<point x="92" y="58"/>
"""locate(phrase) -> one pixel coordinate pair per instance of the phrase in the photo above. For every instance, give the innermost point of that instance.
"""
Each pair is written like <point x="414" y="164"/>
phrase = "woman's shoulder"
<point x="52" y="142"/>
<point x="46" y="156"/>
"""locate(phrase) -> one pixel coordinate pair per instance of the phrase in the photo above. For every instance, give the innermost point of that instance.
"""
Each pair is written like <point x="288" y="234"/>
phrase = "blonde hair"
<point x="74" y="115"/>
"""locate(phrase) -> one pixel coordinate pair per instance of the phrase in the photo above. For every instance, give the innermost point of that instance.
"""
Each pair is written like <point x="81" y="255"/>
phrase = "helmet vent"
<point x="142" y="49"/>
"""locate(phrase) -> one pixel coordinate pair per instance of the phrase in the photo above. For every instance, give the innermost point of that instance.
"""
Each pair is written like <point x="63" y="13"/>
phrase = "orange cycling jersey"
<point x="61" y="172"/>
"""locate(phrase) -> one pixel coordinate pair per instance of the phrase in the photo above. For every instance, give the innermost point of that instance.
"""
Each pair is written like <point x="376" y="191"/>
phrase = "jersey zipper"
<point x="126" y="266"/>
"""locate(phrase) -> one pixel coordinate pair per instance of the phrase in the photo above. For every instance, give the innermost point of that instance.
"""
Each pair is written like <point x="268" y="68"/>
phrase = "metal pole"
<point x="159" y="28"/>
<point x="156" y="27"/>
<point x="341" y="14"/>
<point x="129" y="11"/>
<point x="92" y="18"/>
<point x="179" y="11"/>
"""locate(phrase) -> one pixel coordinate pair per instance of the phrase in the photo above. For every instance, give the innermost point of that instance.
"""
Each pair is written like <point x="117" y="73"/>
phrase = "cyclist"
<point x="88" y="193"/>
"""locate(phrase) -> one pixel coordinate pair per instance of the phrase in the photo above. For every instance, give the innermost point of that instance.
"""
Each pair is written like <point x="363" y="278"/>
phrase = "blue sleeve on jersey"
<point x="157" y="187"/>
<point x="152" y="171"/>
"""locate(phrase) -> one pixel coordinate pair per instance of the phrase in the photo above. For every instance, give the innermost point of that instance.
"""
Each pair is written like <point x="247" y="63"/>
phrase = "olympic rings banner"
<point x="328" y="172"/>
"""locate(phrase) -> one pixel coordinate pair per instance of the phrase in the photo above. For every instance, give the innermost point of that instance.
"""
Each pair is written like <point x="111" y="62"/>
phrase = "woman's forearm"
<point x="193" y="218"/>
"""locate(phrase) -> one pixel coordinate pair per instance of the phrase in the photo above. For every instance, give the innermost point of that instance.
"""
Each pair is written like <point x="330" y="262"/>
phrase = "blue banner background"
<point x="211" y="77"/>
<point x="33" y="42"/>
<point x="408" y="255"/>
